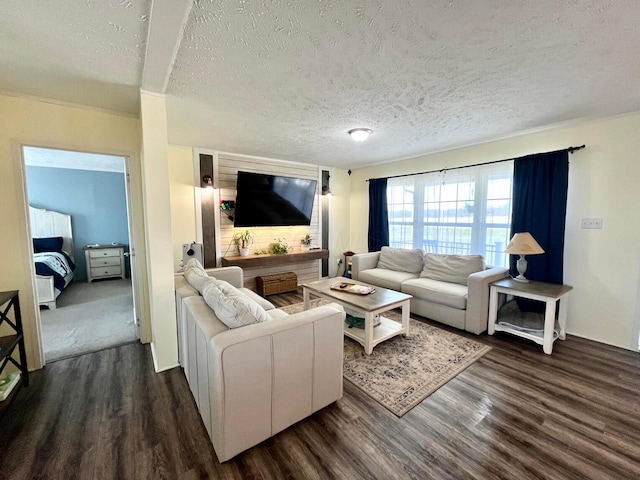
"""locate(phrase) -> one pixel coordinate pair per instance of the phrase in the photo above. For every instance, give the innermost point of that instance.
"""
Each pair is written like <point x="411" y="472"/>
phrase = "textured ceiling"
<point x="288" y="79"/>
<point x="89" y="52"/>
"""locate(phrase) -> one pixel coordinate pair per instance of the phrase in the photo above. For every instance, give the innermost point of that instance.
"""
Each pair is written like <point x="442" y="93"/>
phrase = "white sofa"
<point x="252" y="382"/>
<point x="442" y="286"/>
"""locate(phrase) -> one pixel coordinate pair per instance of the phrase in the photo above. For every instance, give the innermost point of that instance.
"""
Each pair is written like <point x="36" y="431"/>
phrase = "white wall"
<point x="38" y="123"/>
<point x="157" y="218"/>
<point x="603" y="266"/>
<point x="183" y="209"/>
<point x="339" y="219"/>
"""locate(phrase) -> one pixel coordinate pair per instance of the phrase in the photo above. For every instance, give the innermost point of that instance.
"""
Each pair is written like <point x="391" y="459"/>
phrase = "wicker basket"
<point x="276" y="283"/>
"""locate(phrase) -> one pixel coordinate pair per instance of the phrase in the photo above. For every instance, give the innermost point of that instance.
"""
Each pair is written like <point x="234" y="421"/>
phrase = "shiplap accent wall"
<point x="227" y="174"/>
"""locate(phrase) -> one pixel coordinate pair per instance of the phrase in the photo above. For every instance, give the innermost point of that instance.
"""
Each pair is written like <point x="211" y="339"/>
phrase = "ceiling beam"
<point x="167" y="22"/>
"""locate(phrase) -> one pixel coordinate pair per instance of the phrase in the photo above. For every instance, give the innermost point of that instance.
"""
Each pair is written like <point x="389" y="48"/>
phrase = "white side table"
<point x="104" y="261"/>
<point x="549" y="293"/>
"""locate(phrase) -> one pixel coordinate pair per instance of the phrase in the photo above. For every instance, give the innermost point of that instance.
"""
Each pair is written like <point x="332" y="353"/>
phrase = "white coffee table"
<point x="382" y="300"/>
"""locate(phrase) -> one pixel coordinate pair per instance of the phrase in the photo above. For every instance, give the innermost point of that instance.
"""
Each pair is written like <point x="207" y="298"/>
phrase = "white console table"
<point x="548" y="293"/>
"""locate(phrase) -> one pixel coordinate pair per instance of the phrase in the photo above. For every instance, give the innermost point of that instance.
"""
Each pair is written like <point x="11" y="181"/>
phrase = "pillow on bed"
<point x="47" y="244"/>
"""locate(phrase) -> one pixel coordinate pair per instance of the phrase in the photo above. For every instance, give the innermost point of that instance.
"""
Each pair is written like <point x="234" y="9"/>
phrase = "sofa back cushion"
<point x="451" y="268"/>
<point x="195" y="274"/>
<point x="401" y="259"/>
<point x="232" y="308"/>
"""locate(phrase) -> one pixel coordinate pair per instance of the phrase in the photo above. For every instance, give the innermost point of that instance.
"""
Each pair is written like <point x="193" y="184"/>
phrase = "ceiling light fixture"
<point x="360" y="134"/>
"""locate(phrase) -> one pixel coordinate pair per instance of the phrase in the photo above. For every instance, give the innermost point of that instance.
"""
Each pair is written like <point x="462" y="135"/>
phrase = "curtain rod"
<point x="569" y="149"/>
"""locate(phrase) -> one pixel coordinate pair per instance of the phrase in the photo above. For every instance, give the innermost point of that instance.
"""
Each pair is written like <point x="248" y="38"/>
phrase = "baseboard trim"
<point x="155" y="361"/>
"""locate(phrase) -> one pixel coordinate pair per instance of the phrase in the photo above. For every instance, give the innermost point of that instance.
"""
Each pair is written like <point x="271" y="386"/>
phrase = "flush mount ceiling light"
<point x="360" y="134"/>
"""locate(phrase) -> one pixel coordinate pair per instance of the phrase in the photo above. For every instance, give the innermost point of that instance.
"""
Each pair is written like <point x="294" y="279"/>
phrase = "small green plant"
<point x="243" y="239"/>
<point x="306" y="240"/>
<point x="280" y="246"/>
<point x="262" y="251"/>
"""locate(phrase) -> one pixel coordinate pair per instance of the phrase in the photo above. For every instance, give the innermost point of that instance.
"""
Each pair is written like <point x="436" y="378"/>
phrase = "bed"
<point x="53" y="253"/>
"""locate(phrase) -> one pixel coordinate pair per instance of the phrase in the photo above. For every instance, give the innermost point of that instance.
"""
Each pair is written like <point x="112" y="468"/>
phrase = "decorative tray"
<point x="353" y="288"/>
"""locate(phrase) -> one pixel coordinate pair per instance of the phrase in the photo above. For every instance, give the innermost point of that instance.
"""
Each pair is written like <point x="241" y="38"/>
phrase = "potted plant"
<point x="306" y="241"/>
<point x="280" y="247"/>
<point x="242" y="241"/>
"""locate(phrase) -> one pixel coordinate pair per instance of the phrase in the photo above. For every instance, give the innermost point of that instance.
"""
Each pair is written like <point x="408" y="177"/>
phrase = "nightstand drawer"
<point x="104" y="252"/>
<point x="105" y="271"/>
<point x="105" y="261"/>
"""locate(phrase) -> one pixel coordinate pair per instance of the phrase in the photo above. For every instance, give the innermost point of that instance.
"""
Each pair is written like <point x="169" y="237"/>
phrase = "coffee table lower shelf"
<point x="387" y="329"/>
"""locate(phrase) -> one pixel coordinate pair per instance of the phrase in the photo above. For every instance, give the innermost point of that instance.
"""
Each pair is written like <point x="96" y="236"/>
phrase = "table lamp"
<point x="523" y="244"/>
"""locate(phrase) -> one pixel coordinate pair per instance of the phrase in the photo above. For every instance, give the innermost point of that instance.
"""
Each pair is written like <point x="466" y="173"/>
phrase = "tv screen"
<point x="273" y="201"/>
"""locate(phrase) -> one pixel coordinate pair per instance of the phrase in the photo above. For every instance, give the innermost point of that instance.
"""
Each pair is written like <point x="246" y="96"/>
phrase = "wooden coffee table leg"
<point x="368" y="333"/>
<point x="305" y="298"/>
<point x="405" y="318"/>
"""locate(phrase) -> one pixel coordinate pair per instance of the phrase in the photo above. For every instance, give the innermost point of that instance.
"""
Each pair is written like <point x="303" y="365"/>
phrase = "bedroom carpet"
<point x="402" y="372"/>
<point x="89" y="317"/>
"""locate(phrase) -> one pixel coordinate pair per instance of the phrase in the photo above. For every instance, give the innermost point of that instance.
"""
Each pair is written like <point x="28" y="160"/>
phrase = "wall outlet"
<point x="339" y="261"/>
<point x="591" y="223"/>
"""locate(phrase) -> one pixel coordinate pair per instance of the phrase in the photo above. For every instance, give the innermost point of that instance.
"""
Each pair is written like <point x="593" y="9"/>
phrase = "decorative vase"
<point x="244" y="252"/>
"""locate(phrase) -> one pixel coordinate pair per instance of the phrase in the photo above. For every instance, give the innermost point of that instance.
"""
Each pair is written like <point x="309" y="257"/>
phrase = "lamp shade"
<point x="523" y="244"/>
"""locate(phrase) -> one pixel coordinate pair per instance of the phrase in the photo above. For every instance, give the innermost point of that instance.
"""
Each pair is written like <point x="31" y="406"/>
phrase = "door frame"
<point x="136" y="239"/>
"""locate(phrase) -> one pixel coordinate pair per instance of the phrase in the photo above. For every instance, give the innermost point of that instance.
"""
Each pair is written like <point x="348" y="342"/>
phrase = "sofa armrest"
<point x="233" y="275"/>
<point x="265" y="377"/>
<point x="478" y="298"/>
<point x="363" y="261"/>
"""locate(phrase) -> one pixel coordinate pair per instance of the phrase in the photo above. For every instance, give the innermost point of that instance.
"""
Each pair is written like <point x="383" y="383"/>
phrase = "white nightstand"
<point x="549" y="293"/>
<point x="104" y="261"/>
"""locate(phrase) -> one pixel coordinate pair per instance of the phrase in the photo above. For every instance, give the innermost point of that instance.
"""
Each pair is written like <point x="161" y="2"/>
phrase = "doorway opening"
<point x="80" y="224"/>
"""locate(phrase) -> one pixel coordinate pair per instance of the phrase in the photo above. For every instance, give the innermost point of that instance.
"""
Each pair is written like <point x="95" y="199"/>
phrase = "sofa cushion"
<point x="195" y="274"/>
<point x="385" y="278"/>
<point x="263" y="302"/>
<point x="401" y="259"/>
<point x="232" y="308"/>
<point x="451" y="268"/>
<point x="443" y="293"/>
<point x="183" y="288"/>
<point x="205" y="318"/>
<point x="277" y="313"/>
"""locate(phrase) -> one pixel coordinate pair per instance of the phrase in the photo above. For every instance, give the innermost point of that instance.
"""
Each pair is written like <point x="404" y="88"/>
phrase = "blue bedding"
<point x="54" y="264"/>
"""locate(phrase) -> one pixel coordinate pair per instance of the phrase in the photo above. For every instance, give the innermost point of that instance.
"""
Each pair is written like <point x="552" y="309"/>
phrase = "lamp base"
<point x="521" y="265"/>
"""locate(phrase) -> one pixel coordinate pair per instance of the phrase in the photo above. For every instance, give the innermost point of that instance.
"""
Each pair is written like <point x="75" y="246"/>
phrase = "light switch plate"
<point x="594" y="223"/>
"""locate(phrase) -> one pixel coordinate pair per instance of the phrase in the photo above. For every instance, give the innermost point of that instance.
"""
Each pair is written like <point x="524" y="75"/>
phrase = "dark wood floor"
<point x="514" y="414"/>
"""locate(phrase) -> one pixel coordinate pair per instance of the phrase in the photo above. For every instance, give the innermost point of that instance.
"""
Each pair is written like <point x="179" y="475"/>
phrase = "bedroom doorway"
<point x="83" y="198"/>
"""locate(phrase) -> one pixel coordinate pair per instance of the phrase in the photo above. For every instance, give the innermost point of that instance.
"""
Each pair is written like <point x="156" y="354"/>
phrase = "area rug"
<point x="402" y="372"/>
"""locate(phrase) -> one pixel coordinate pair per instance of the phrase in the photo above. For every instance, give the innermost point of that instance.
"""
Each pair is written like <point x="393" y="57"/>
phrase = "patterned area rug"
<point x="402" y="372"/>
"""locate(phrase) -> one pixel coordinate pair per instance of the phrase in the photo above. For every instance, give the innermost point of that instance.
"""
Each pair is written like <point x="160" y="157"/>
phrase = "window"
<point x="462" y="211"/>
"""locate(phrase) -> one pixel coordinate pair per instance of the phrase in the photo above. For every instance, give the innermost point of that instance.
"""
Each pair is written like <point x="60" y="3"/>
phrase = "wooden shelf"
<point x="271" y="260"/>
<point x="8" y="344"/>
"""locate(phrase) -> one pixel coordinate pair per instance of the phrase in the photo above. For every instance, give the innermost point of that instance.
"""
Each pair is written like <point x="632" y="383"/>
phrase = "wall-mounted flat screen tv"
<point x="273" y="201"/>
